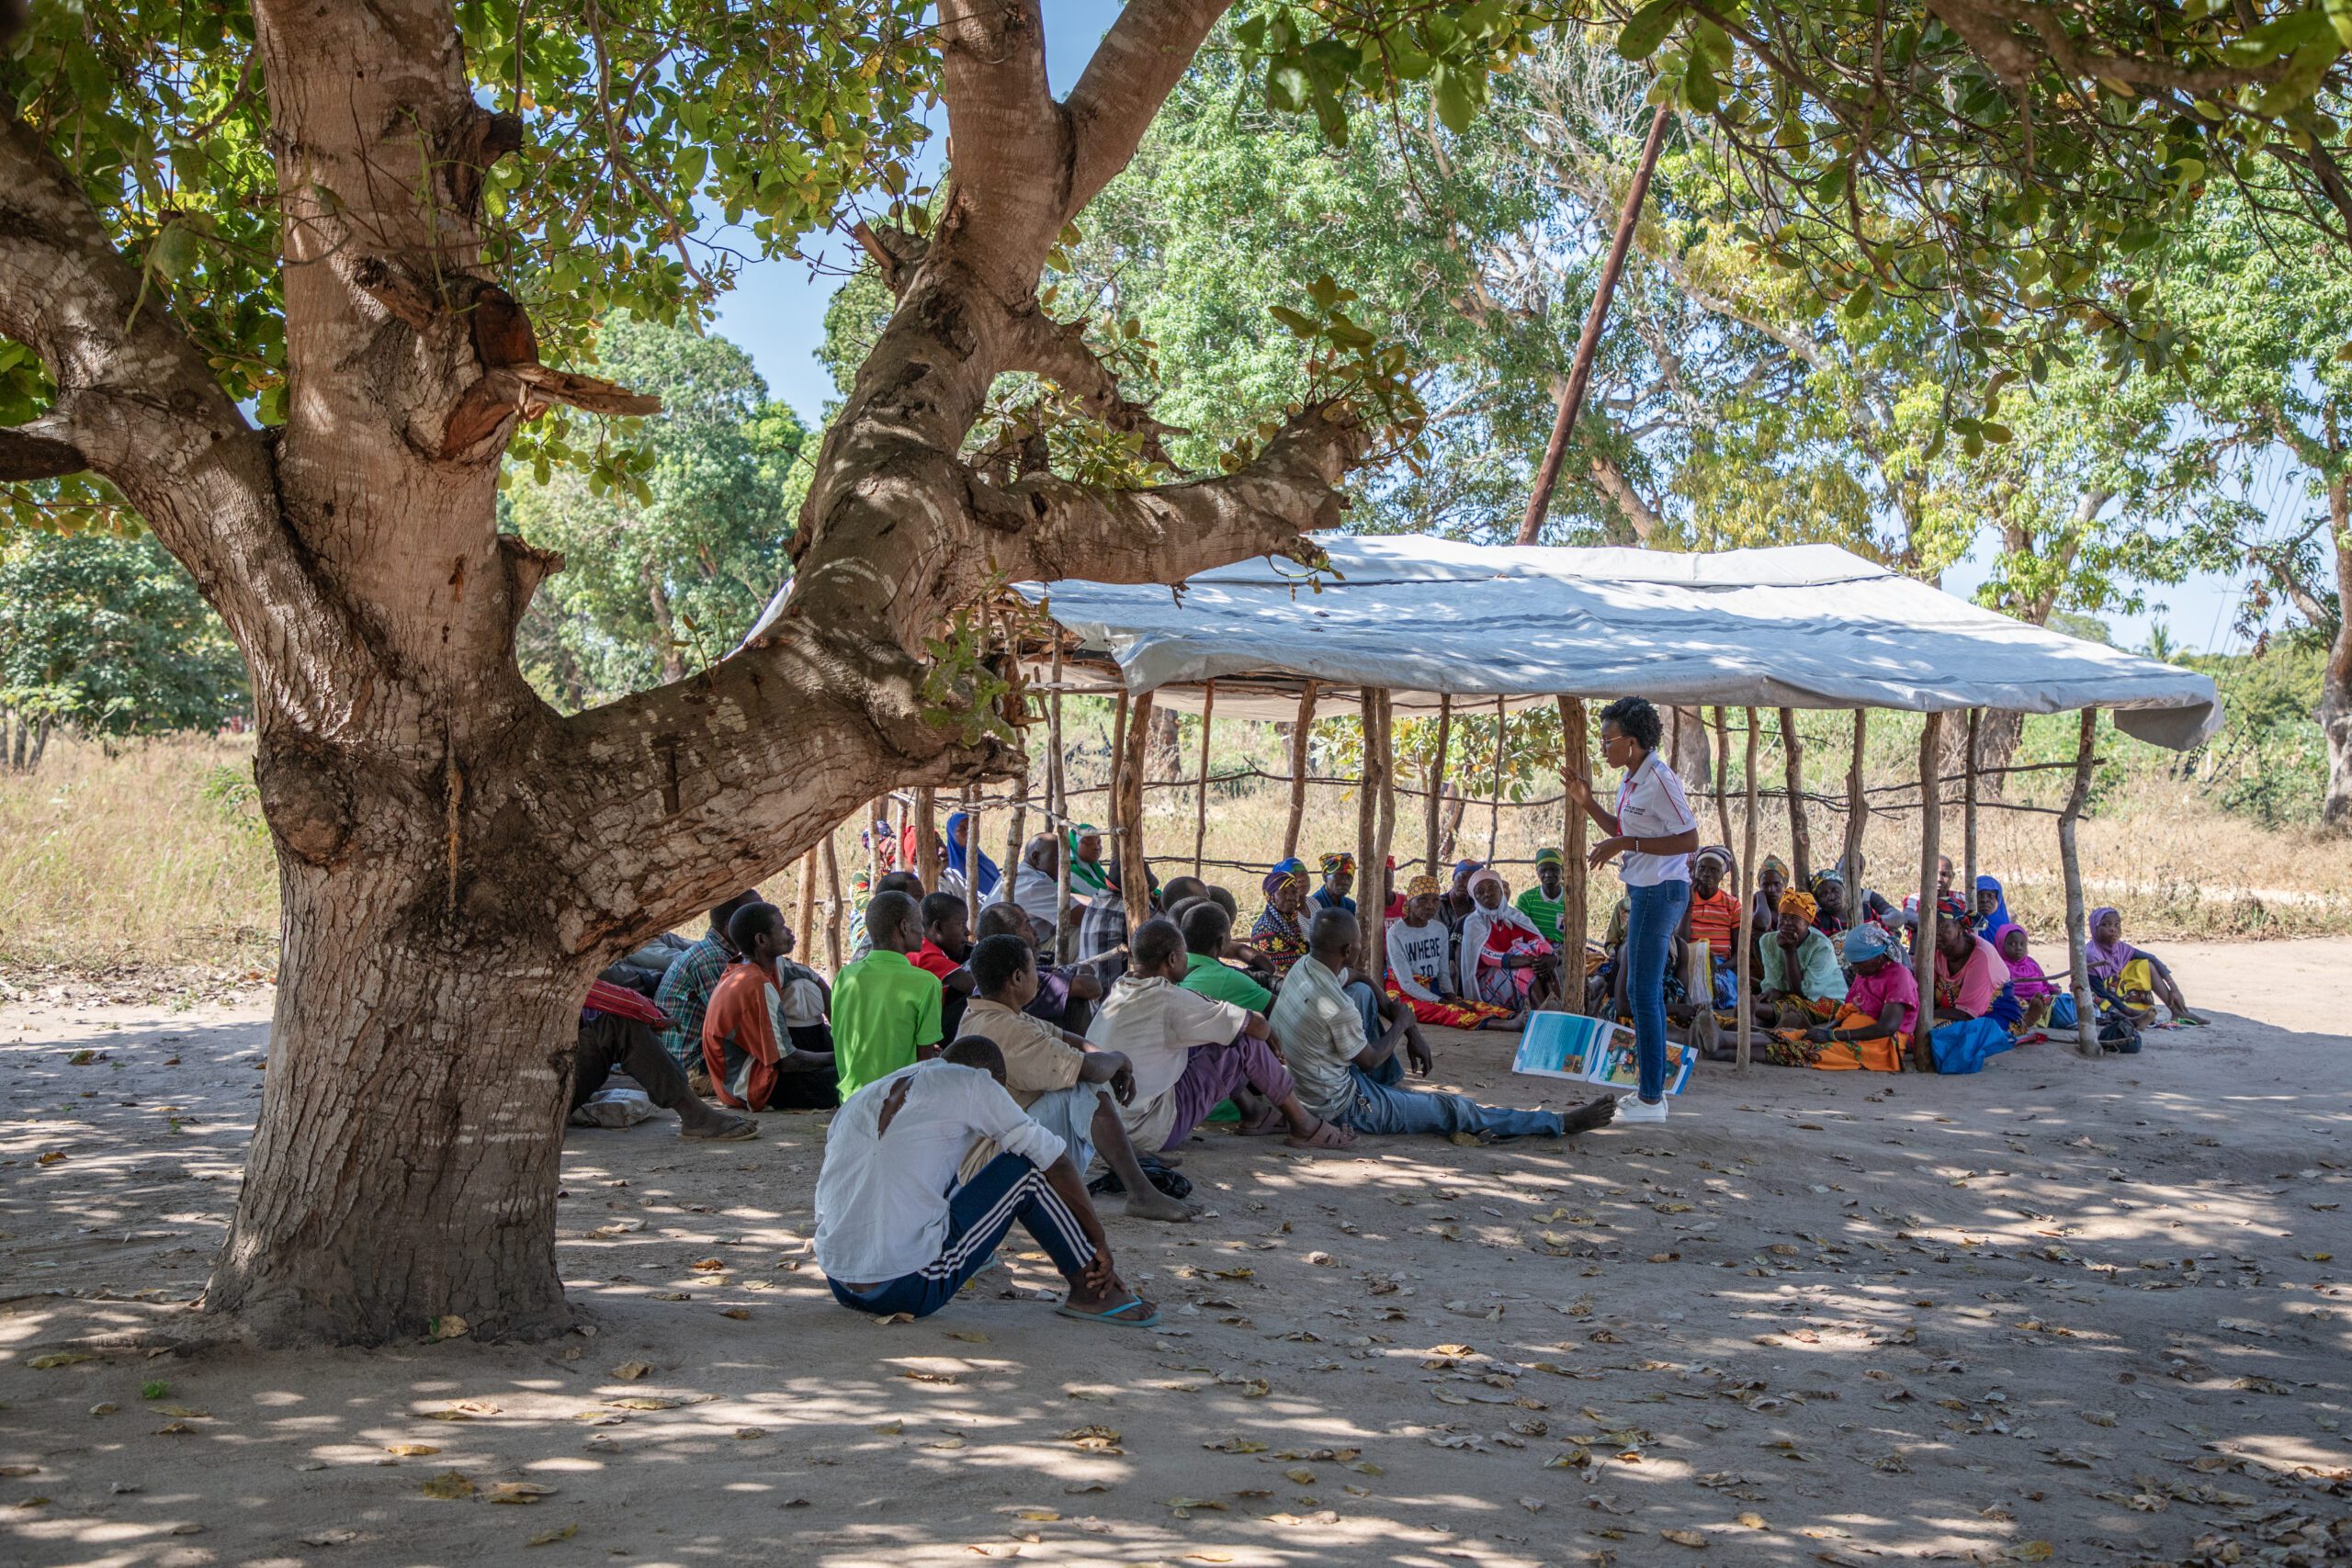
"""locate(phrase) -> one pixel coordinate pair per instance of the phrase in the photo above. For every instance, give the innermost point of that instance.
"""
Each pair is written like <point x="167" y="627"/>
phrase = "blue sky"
<point x="777" y="313"/>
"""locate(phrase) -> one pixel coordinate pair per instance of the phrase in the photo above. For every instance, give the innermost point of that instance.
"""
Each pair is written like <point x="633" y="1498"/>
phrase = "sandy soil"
<point x="2072" y="1311"/>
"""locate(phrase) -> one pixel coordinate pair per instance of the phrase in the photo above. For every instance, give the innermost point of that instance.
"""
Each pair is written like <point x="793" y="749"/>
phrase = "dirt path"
<point x="2081" y="1312"/>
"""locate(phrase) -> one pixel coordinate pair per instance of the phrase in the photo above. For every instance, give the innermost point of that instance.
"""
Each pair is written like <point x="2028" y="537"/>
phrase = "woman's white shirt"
<point x="1651" y="804"/>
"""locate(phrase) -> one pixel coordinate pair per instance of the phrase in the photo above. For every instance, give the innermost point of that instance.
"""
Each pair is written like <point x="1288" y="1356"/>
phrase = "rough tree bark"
<point x="457" y="860"/>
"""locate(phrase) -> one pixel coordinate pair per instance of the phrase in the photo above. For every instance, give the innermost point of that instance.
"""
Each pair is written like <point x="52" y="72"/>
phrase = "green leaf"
<point x="1640" y="37"/>
<point x="1455" y="106"/>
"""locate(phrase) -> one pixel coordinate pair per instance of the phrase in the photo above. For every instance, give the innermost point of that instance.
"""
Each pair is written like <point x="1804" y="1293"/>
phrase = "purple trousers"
<point x="1213" y="1072"/>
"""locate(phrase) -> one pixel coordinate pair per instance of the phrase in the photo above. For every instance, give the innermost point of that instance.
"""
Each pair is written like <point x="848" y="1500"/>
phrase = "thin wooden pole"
<point x="1016" y="839"/>
<point x="1058" y="813"/>
<point x="1134" y="865"/>
<point x="806" y="927"/>
<point x="1437" y="777"/>
<point x="1368" y="788"/>
<point x="1858" y="816"/>
<point x="1930" y="853"/>
<point x="971" y="805"/>
<point x="2070" y="861"/>
<point x="1968" y="815"/>
<point x="1495" y="805"/>
<point x="832" y="906"/>
<point x="1580" y="372"/>
<point x="927" y="837"/>
<point x="1574" y="910"/>
<point x="1747" y="905"/>
<point x="1723" y="766"/>
<point x="875" y="829"/>
<point x="1300" y="730"/>
<point x="1800" y="839"/>
<point x="1383" y="830"/>
<point x="1201" y="802"/>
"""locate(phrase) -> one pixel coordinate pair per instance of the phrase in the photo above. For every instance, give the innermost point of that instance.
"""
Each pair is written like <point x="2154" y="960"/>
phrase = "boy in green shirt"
<point x="1207" y="928"/>
<point x="1545" y="902"/>
<point x="886" y="1011"/>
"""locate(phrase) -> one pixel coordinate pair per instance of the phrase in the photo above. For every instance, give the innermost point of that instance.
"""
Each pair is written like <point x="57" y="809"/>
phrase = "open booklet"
<point x="1592" y="1050"/>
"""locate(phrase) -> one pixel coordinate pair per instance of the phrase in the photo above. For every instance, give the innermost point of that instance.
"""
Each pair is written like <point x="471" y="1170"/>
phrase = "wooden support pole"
<point x="1384" y="833"/>
<point x="1747" y="905"/>
<point x="1057" y="810"/>
<point x="1589" y="343"/>
<point x="805" y="928"/>
<point x="1134" y="866"/>
<point x="927" y="837"/>
<point x="2069" y="863"/>
<point x="971" y="867"/>
<point x="1800" y="839"/>
<point x="832" y="907"/>
<point x="1201" y="804"/>
<point x="1968" y="816"/>
<point x="1300" y="730"/>
<point x="1431" y="804"/>
<point x="1857" y="815"/>
<point x="1495" y="805"/>
<point x="1575" y="909"/>
<point x="1016" y="839"/>
<point x="876" y="829"/>
<point x="1368" y="791"/>
<point x="1723" y="766"/>
<point x="1930" y="853"/>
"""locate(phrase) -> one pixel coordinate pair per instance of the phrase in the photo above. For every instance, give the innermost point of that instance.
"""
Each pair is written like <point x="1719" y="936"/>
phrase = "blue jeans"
<point x="1006" y="1191"/>
<point x="1384" y="1105"/>
<point x="1653" y="915"/>
<point x="1367" y="1008"/>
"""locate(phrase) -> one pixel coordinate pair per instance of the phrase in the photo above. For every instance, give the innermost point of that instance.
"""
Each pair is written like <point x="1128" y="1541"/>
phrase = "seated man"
<point x="1035" y="882"/>
<point x="1208" y="932"/>
<point x="1346" y="1078"/>
<point x="1799" y="983"/>
<point x="861" y="942"/>
<point x="886" y="1011"/>
<point x="753" y="1066"/>
<point x="1103" y="931"/>
<point x="1065" y="996"/>
<point x="1338" y="881"/>
<point x="1546" y="903"/>
<point x="1191" y="1050"/>
<point x="1177" y="890"/>
<point x="1421" y="967"/>
<point x="1054" y="1075"/>
<point x="687" y="986"/>
<point x="1872" y="1030"/>
<point x="945" y="944"/>
<point x="618" y="1029"/>
<point x="895" y="1232"/>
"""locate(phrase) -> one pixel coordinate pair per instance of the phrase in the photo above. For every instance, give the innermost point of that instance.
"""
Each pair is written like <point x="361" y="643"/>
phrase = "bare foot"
<point x="1154" y="1204"/>
<point x="1591" y="1114"/>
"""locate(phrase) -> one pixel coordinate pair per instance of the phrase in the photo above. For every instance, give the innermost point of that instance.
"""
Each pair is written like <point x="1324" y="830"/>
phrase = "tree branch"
<point x="43" y="449"/>
<point x="1058" y="351"/>
<point x="1132" y="72"/>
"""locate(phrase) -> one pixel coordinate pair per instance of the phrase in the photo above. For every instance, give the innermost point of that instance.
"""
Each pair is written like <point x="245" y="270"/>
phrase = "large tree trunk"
<point x="2336" y="684"/>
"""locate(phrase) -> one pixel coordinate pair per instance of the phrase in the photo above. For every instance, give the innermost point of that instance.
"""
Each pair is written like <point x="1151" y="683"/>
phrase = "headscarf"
<point x="1773" y="862"/>
<point x="1800" y="903"/>
<point x="960" y="854"/>
<point x="1422" y="886"/>
<point x="2026" y="974"/>
<point x="1282" y="873"/>
<point x="1280" y="937"/>
<point x="1952" y="904"/>
<point x="1482" y="922"/>
<point x="1463" y="868"/>
<point x="1719" y="851"/>
<point x="1086" y="875"/>
<point x="1866" y="941"/>
<point x="1999" y="918"/>
<point x="881" y="845"/>
<point x="2107" y="959"/>
<point x="1334" y="864"/>
<point x="1548" y="857"/>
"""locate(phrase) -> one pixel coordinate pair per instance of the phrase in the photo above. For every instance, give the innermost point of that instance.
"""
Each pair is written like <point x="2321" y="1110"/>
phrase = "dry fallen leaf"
<point x="1209" y="1503"/>
<point x="448" y="1485"/>
<point x="549" y="1537"/>
<point x="411" y="1451"/>
<point x="645" y="1401"/>
<point x="2034" y="1551"/>
<point x="1094" y="1439"/>
<point x="1684" y="1538"/>
<point x="1754" y="1521"/>
<point x="519" y="1492"/>
<point x="631" y="1371"/>
<point x="59" y="1359"/>
<point x="969" y="1336"/>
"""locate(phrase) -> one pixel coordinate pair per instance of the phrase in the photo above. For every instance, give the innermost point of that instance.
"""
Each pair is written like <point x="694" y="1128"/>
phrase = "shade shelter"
<point x="1425" y="625"/>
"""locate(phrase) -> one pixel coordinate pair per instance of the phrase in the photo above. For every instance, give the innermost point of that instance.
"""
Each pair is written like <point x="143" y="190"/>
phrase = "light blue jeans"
<point x="1384" y="1105"/>
<point x="1367" y="1008"/>
<point x="1653" y="915"/>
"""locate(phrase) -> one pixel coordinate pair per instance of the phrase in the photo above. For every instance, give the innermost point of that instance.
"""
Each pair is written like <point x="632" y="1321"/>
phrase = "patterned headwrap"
<point x="1284" y="872"/>
<point x="1952" y="904"/>
<point x="1333" y="865"/>
<point x="1548" y="857"/>
<point x="1867" y="942"/>
<point x="1801" y="904"/>
<point x="1422" y="887"/>
<point x="1715" y="851"/>
<point x="1773" y="862"/>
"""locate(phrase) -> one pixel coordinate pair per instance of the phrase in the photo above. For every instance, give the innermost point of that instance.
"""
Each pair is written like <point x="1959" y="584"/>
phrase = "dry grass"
<point x="154" y="856"/>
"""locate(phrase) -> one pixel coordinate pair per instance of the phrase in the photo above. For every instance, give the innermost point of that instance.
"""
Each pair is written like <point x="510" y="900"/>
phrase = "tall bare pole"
<point x="1201" y="803"/>
<point x="2070" y="861"/>
<point x="833" y="904"/>
<point x="1437" y="777"/>
<point x="1368" y="790"/>
<point x="1495" y="805"/>
<point x="1580" y="372"/>
<point x="1723" y="766"/>
<point x="1930" y="853"/>
<point x="1800" y="839"/>
<point x="806" y="928"/>
<point x="1384" y="827"/>
<point x="1747" y="905"/>
<point x="1968" y="815"/>
<point x="927" y="837"/>
<point x="1858" y="816"/>
<point x="1575" y="908"/>
<point x="1135" y="867"/>
<point x="971" y="807"/>
<point x="1300" y="730"/>
<point x="1058" y="812"/>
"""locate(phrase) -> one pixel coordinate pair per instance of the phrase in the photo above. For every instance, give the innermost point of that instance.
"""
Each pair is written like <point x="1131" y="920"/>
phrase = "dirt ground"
<point x="2081" y="1312"/>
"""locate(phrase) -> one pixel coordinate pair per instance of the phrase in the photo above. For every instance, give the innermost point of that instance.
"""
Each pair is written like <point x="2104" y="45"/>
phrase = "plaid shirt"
<point x="1104" y="928"/>
<point x="684" y="995"/>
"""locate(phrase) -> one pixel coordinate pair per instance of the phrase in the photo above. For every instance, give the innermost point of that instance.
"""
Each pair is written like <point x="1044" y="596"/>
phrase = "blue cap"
<point x="1864" y="942"/>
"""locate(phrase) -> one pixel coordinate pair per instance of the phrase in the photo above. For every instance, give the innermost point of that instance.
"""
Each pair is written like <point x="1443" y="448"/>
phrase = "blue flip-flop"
<point x="1112" y="1315"/>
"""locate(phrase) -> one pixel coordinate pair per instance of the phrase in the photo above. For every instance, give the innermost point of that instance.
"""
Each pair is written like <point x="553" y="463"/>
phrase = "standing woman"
<point x="1654" y="830"/>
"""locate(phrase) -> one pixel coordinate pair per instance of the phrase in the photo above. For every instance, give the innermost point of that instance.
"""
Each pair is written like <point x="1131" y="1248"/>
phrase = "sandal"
<point x="1116" y="1317"/>
<point x="1328" y="1135"/>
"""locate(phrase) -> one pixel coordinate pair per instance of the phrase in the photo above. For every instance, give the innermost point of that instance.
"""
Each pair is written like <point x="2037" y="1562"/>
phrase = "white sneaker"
<point x="1634" y="1107"/>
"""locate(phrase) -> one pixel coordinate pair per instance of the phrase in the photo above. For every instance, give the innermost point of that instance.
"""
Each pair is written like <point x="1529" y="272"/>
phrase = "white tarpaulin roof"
<point x="1802" y="625"/>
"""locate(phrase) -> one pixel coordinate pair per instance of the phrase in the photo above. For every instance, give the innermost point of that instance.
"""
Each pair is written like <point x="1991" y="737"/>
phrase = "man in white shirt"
<point x="1358" y="1083"/>
<point x="895" y="1232"/>
<point x="1035" y="882"/>
<point x="1190" y="1051"/>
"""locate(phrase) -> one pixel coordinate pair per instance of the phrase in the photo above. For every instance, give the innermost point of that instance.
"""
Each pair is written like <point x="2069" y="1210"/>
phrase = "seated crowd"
<point x="977" y="1082"/>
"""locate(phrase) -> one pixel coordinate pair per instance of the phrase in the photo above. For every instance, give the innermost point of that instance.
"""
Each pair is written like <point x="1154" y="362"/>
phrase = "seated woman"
<point x="1771" y="885"/>
<point x="1504" y="958"/>
<point x="1972" y="979"/>
<point x="1279" y="932"/>
<point x="1799" y="983"/>
<point x="2115" y="978"/>
<point x="1338" y="881"/>
<point x="1873" y="1027"/>
<point x="2045" y="1005"/>
<point x="1992" y="910"/>
<point x="1713" y="917"/>
<point x="1420" y="968"/>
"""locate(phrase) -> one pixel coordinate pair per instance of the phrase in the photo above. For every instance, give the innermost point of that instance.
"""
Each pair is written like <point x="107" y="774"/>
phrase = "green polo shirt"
<point x="885" y="1010"/>
<point x="1215" y="978"/>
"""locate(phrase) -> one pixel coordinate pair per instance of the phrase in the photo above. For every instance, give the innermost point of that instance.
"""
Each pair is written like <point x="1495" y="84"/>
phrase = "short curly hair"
<point x="1637" y="719"/>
